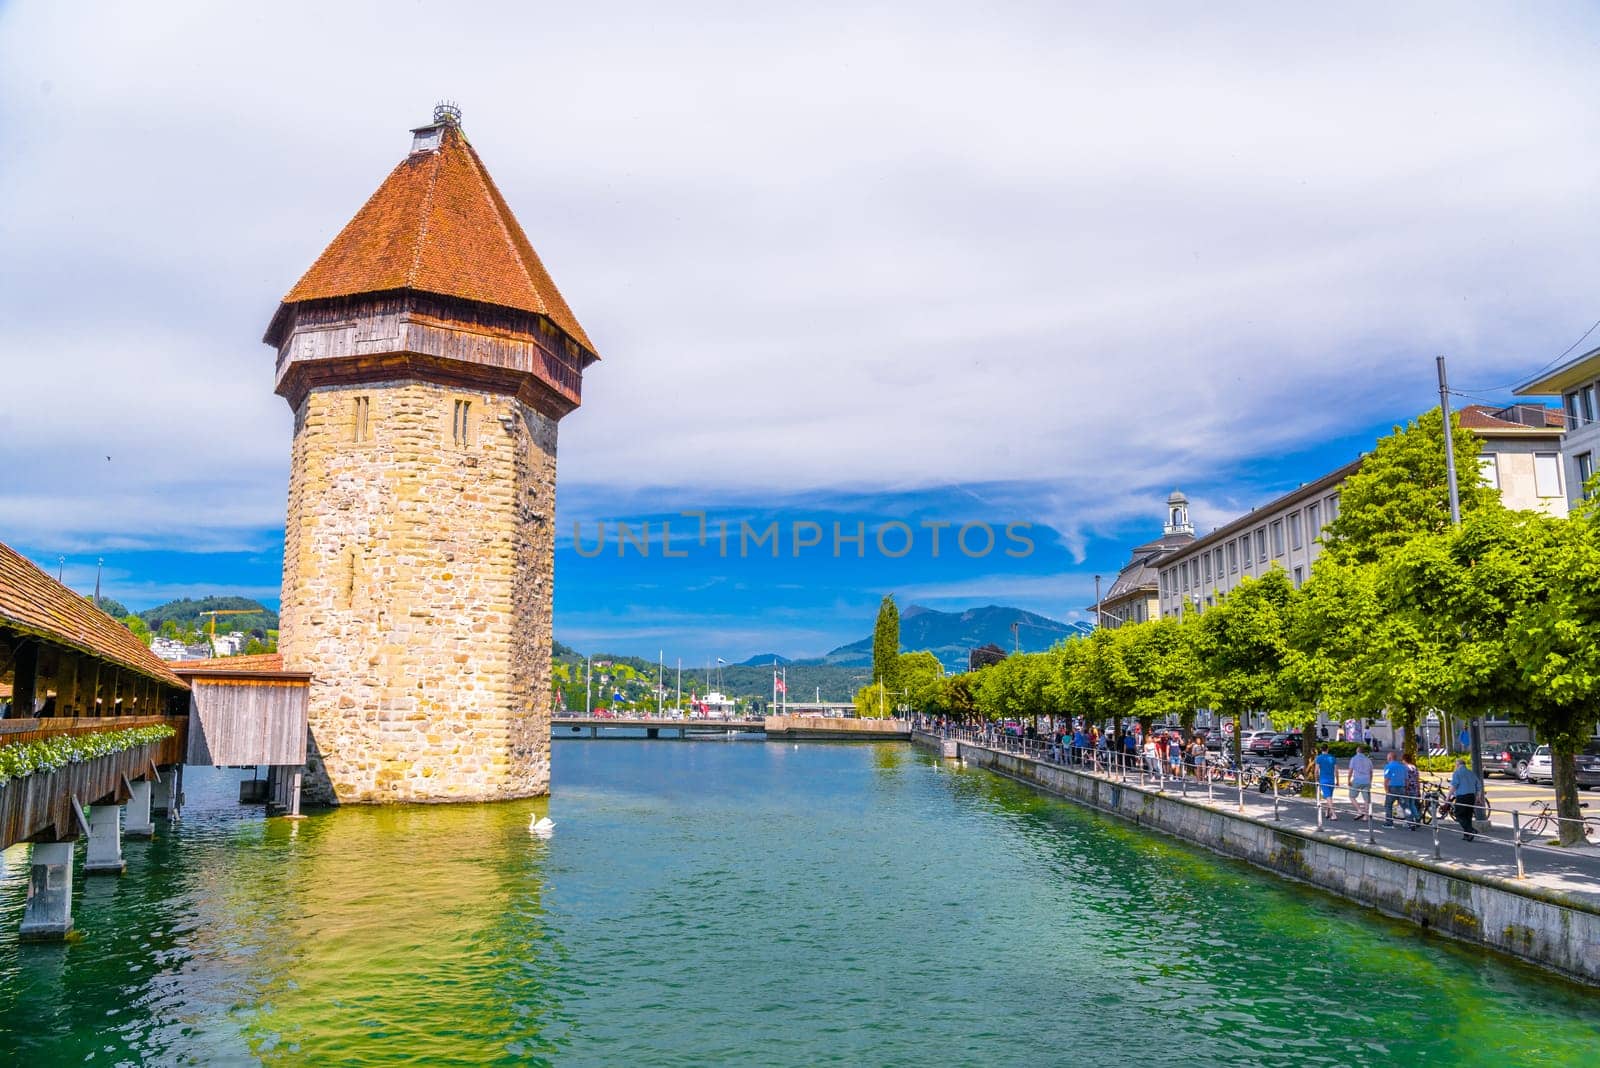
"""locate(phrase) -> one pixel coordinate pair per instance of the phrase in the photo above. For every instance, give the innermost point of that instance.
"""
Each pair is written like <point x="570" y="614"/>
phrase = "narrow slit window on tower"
<point x="360" y="430"/>
<point x="460" y="426"/>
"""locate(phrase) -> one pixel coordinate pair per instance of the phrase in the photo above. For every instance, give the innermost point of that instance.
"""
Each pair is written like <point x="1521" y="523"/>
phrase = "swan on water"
<point x="543" y="827"/>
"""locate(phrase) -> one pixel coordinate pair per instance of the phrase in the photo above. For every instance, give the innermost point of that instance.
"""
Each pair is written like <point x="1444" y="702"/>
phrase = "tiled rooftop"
<point x="439" y="225"/>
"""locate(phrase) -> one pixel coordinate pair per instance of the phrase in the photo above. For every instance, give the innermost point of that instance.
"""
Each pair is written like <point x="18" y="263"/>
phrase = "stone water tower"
<point x="427" y="357"/>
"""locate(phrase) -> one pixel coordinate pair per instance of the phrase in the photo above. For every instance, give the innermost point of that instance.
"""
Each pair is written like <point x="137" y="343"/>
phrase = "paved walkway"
<point x="1574" y="872"/>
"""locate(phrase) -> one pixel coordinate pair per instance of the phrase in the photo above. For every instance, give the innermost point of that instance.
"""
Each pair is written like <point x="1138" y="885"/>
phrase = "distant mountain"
<point x="952" y="635"/>
<point x="763" y="660"/>
<point x="948" y="635"/>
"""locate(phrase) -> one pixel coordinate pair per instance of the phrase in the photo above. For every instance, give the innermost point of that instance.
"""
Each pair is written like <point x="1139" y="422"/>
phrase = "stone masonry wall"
<point x="417" y="587"/>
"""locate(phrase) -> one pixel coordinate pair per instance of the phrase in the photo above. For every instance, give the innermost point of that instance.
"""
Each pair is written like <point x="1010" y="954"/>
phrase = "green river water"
<point x="741" y="903"/>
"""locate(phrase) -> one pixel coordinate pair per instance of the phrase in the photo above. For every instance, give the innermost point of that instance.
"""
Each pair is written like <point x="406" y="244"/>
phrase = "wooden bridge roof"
<point x="439" y="225"/>
<point x="34" y="603"/>
<point x="256" y="666"/>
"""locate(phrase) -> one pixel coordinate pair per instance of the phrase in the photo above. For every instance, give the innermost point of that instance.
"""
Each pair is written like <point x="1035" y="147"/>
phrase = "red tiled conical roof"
<point x="438" y="225"/>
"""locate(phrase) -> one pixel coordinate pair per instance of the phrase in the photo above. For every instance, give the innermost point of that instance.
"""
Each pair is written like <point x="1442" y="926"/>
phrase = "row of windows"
<point x="460" y="421"/>
<point x="1546" y="472"/>
<point x="1580" y="404"/>
<point x="1249" y="553"/>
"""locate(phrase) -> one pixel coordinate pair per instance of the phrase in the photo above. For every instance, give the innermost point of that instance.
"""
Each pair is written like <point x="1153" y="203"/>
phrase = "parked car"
<point x="1284" y="743"/>
<point x="1589" y="765"/>
<point x="1259" y="743"/>
<point x="1539" y="766"/>
<point x="1509" y="759"/>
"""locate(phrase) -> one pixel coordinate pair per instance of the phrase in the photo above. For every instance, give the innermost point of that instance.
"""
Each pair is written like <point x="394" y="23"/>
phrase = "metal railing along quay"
<point x="1250" y="791"/>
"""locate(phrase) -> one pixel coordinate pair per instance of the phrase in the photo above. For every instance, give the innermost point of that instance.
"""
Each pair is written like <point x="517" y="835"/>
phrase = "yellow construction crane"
<point x="211" y="632"/>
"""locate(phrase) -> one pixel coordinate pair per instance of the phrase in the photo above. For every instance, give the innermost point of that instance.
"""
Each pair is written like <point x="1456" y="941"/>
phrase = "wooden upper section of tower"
<point x="433" y="279"/>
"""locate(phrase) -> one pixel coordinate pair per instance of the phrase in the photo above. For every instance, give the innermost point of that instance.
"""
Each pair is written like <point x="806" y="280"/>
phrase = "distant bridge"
<point x="653" y="727"/>
<point x="810" y="727"/>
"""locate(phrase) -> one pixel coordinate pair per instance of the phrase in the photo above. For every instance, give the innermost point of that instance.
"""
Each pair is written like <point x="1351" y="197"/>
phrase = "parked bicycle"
<point x="1545" y="820"/>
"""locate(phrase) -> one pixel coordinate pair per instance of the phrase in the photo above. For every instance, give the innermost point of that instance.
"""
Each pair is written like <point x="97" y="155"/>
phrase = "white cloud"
<point x="1104" y="251"/>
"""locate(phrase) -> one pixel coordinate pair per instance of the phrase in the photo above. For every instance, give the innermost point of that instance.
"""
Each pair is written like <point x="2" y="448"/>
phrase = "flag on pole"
<point x="779" y="684"/>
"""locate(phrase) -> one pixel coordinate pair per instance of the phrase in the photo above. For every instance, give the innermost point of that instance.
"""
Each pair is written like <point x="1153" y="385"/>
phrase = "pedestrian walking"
<point x="1414" y="791"/>
<point x="1361" y="783"/>
<point x="1464" y="790"/>
<point x="1394" y="788"/>
<point x="1152" y="756"/>
<point x="1327" y="775"/>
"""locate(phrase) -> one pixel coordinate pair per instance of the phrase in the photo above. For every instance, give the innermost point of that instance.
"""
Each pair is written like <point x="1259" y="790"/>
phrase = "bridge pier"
<point x="166" y="793"/>
<point x="103" y="849"/>
<point x="136" y="823"/>
<point x="47" y="917"/>
<point x="283" y="790"/>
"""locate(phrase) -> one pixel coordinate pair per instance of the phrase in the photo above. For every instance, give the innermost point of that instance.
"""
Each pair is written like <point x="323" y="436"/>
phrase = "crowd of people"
<point x="1165" y="752"/>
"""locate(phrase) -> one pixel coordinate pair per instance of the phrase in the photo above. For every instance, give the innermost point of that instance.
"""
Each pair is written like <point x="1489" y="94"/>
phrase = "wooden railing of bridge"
<point x="39" y="806"/>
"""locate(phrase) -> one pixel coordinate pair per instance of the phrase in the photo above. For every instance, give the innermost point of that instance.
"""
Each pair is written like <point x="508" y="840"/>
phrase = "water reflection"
<point x="766" y="903"/>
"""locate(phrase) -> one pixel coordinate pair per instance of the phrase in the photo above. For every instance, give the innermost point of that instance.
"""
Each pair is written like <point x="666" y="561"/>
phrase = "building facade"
<point x="427" y="357"/>
<point x="1135" y="595"/>
<point x="1521" y="454"/>
<point x="1284" y="533"/>
<point x="1518" y="456"/>
<point x="1577" y="383"/>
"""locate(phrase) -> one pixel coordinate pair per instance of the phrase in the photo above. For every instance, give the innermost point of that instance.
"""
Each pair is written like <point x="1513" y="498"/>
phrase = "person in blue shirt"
<point x="1326" y="774"/>
<point x="1394" y="788"/>
<point x="1464" y="790"/>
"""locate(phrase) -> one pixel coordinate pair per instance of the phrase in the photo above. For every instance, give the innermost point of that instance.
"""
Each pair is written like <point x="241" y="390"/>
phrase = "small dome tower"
<point x="1178" y="515"/>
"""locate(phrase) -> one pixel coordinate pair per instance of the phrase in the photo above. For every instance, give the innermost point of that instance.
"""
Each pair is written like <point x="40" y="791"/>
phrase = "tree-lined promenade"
<point x="1404" y="614"/>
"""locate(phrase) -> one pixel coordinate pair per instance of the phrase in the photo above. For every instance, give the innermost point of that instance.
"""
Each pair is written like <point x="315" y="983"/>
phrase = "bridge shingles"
<point x="34" y="603"/>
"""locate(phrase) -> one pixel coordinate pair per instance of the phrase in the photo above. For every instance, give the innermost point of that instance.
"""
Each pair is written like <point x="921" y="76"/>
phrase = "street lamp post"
<point x="1475" y="729"/>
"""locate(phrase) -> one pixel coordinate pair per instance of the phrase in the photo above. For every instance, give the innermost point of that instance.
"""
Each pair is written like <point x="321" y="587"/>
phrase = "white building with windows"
<point x="1577" y="383"/>
<point x="1520" y="457"/>
<point x="1283" y="533"/>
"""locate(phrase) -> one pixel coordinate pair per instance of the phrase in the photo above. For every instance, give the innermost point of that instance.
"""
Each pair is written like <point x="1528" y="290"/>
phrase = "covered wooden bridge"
<point x="92" y="736"/>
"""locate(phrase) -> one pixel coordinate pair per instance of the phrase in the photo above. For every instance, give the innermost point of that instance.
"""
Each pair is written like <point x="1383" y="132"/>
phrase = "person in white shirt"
<point x="1361" y="783"/>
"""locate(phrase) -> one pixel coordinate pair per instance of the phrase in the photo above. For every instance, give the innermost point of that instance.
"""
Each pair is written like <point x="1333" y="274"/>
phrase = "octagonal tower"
<point x="428" y="357"/>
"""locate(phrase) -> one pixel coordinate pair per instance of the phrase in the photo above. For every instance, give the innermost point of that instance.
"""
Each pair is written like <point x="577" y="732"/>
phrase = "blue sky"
<point x="1035" y="264"/>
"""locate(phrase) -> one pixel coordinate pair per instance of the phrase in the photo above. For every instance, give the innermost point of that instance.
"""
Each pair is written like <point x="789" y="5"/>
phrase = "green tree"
<point x="1354" y="654"/>
<point x="1401" y="490"/>
<point x="1110" y="687"/>
<point x="886" y="644"/>
<point x="1241" y="647"/>
<point x="137" y="625"/>
<point x="920" y="675"/>
<point x="1511" y="595"/>
<point x="1159" y="655"/>
<point x="959" y="699"/>
<point x="874" y="702"/>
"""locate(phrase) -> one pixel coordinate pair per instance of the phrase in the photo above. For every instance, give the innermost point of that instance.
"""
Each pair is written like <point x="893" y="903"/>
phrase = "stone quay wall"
<point x="1536" y="925"/>
<point x="419" y="558"/>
